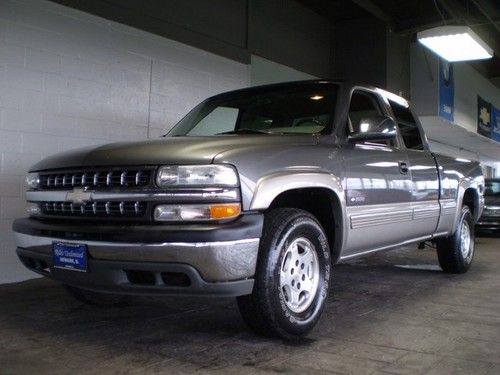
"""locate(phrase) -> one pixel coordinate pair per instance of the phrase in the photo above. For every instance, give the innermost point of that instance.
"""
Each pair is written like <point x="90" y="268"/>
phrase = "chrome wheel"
<point x="466" y="245"/>
<point x="299" y="275"/>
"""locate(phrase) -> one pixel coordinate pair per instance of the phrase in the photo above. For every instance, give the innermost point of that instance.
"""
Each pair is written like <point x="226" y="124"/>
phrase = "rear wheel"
<point x="292" y="276"/>
<point x="455" y="253"/>
<point x="95" y="298"/>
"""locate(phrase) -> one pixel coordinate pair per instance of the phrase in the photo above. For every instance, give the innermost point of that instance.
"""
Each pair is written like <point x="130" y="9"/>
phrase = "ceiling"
<point x="410" y="16"/>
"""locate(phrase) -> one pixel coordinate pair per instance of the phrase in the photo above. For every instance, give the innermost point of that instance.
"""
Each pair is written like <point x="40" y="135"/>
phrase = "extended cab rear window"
<point x="407" y="126"/>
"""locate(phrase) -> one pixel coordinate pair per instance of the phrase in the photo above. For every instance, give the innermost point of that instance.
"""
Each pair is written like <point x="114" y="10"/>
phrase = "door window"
<point x="364" y="105"/>
<point x="407" y="126"/>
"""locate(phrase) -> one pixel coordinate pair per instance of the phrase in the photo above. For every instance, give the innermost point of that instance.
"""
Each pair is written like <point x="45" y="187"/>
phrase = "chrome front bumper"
<point x="135" y="258"/>
<point x="215" y="261"/>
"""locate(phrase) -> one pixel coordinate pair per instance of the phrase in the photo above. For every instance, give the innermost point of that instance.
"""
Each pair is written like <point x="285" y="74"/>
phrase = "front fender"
<point x="270" y="186"/>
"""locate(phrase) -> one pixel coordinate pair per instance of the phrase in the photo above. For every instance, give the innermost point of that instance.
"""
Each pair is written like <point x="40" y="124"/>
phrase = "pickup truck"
<point x="254" y="194"/>
<point x="490" y="219"/>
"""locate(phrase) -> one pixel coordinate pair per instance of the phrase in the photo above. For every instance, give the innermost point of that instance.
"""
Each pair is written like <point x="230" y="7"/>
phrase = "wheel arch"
<point x="469" y="195"/>
<point x="471" y="199"/>
<point x="320" y="194"/>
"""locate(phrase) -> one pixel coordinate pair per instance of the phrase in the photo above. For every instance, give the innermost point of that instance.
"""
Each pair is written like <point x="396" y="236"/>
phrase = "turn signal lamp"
<point x="196" y="212"/>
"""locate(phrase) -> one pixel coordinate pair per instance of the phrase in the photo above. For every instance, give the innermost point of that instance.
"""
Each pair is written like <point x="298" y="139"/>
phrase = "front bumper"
<point x="145" y="259"/>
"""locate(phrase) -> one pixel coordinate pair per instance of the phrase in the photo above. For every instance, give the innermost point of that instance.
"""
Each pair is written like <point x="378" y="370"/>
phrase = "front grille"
<point x="96" y="178"/>
<point x="94" y="209"/>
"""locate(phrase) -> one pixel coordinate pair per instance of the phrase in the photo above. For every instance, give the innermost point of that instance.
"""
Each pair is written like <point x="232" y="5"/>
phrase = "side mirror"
<point x="374" y="129"/>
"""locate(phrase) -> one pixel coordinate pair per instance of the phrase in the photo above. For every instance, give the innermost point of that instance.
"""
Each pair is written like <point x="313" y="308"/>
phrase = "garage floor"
<point x="388" y="313"/>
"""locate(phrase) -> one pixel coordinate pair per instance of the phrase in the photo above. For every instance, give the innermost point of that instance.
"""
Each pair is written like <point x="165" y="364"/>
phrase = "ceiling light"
<point x="316" y="97"/>
<point x="455" y="43"/>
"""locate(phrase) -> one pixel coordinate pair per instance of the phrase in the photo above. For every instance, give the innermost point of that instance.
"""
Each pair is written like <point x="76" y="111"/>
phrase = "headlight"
<point x="194" y="212"/>
<point x="33" y="180"/>
<point x="196" y="175"/>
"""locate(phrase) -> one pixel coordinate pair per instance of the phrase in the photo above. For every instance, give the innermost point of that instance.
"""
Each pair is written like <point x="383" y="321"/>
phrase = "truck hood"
<point x="169" y="150"/>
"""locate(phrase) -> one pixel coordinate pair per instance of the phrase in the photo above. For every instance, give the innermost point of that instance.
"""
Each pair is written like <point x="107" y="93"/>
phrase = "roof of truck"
<point x="315" y="82"/>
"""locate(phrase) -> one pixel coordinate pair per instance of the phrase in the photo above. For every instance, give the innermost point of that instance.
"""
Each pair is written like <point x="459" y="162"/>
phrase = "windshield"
<point x="297" y="110"/>
<point x="492" y="188"/>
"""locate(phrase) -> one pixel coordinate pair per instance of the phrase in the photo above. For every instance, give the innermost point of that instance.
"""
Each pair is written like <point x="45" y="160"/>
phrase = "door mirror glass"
<point x="374" y="128"/>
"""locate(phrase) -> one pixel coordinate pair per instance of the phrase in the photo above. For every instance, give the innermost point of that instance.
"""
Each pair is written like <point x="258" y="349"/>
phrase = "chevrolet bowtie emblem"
<point x="79" y="196"/>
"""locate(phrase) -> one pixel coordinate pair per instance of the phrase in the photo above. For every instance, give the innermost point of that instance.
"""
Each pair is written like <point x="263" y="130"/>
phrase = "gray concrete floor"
<point x="387" y="313"/>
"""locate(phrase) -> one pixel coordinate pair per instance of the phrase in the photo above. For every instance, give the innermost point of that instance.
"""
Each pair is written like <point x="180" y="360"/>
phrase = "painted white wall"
<point x="263" y="71"/>
<point x="468" y="85"/>
<point x="69" y="79"/>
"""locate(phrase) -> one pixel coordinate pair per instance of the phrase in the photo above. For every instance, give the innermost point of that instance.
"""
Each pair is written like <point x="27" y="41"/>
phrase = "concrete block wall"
<point x="69" y="79"/>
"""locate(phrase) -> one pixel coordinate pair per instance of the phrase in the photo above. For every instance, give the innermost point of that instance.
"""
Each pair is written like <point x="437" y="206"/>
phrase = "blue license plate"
<point x="70" y="256"/>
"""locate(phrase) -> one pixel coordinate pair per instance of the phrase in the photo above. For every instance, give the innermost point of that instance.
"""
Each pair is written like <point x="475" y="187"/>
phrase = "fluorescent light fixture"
<point x="455" y="43"/>
<point x="316" y="97"/>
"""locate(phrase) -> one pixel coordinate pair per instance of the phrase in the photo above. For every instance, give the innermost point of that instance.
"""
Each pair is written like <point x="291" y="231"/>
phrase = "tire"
<point x="455" y="253"/>
<point x="293" y="249"/>
<point x="95" y="298"/>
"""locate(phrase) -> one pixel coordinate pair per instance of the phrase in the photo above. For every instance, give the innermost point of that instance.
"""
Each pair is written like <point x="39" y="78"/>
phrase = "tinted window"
<point x="290" y="110"/>
<point x="407" y="126"/>
<point x="492" y="188"/>
<point x="221" y="119"/>
<point x="364" y="105"/>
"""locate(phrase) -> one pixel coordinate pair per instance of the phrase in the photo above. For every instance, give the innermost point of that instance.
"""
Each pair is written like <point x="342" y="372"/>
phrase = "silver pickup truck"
<point x="255" y="194"/>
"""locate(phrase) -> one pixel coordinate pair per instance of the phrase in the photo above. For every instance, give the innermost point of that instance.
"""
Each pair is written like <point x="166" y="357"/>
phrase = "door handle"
<point x="403" y="167"/>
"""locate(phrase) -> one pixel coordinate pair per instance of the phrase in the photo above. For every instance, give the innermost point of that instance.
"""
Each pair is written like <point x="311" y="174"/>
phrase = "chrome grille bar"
<point x="130" y="177"/>
<point x="192" y="195"/>
<point x="94" y="209"/>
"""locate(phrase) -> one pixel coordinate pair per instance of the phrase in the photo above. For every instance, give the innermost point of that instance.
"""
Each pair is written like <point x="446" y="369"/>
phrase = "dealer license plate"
<point x="70" y="256"/>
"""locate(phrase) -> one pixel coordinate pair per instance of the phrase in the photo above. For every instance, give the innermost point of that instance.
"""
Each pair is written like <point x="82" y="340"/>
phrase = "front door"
<point x="378" y="184"/>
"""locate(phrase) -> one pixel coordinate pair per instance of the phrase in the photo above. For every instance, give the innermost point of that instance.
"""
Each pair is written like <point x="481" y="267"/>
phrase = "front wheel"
<point x="292" y="276"/>
<point x="455" y="253"/>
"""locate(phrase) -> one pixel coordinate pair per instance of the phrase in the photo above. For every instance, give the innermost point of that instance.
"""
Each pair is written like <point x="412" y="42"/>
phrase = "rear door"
<point x="423" y="171"/>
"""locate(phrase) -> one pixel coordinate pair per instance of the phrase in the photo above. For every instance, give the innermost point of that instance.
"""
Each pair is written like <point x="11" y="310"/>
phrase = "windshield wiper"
<point x="245" y="131"/>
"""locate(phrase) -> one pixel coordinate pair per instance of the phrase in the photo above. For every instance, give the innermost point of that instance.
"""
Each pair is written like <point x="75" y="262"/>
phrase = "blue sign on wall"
<point x="446" y="90"/>
<point x="495" y="123"/>
<point x="484" y="117"/>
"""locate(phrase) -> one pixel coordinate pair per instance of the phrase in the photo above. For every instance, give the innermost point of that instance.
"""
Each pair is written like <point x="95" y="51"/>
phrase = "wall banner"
<point x="446" y="90"/>
<point x="483" y="117"/>
<point x="495" y="123"/>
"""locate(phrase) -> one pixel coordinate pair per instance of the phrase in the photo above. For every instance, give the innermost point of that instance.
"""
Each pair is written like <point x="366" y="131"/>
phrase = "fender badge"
<point x="79" y="196"/>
